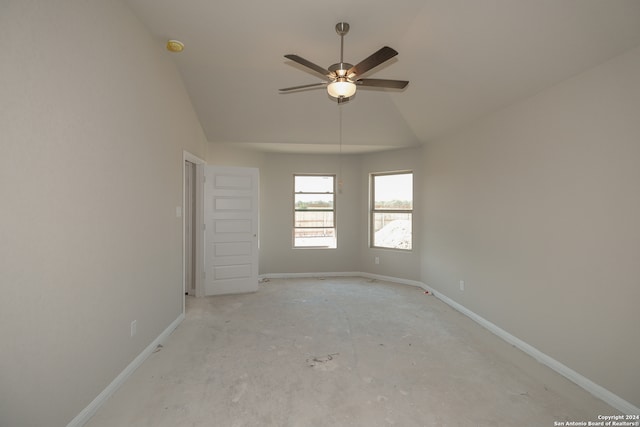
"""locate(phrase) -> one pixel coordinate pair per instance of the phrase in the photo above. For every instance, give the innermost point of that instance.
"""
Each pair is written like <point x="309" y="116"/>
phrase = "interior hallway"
<point x="340" y="352"/>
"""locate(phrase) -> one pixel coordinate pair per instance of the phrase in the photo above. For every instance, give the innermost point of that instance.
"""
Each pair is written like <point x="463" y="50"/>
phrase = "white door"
<point x="231" y="230"/>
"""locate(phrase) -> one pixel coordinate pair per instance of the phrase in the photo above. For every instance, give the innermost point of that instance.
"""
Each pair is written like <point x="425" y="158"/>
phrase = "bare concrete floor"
<point x="340" y="352"/>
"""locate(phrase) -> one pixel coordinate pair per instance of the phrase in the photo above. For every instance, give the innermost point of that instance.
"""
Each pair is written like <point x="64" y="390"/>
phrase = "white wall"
<point x="537" y="208"/>
<point x="93" y="121"/>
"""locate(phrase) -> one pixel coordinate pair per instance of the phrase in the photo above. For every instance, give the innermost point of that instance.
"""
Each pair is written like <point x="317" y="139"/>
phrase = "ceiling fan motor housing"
<point x="340" y="69"/>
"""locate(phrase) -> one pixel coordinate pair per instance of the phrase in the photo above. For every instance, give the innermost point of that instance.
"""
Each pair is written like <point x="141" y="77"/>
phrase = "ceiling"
<point x="464" y="59"/>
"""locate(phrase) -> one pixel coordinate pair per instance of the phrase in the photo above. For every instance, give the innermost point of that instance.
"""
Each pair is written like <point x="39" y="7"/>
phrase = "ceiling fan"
<point x="344" y="77"/>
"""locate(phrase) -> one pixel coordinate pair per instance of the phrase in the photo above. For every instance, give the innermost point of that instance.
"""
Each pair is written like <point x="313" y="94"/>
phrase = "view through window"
<point x="314" y="211"/>
<point x="391" y="210"/>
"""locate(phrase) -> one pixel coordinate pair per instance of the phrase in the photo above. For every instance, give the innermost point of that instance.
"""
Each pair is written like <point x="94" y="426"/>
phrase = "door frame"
<point x="198" y="226"/>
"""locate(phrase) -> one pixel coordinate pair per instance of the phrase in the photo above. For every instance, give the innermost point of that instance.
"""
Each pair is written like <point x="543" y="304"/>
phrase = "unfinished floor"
<point x="339" y="352"/>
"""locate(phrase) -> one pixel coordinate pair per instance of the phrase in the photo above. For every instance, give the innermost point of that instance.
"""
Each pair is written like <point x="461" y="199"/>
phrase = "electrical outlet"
<point x="377" y="260"/>
<point x="462" y="285"/>
<point x="134" y="327"/>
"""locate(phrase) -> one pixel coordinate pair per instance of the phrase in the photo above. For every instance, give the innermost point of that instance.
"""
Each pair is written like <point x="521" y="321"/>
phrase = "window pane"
<point x="314" y="184"/>
<point x="314" y="219"/>
<point x="393" y="191"/>
<point x="392" y="230"/>
<point x="313" y="201"/>
<point x="314" y="211"/>
<point x="314" y="237"/>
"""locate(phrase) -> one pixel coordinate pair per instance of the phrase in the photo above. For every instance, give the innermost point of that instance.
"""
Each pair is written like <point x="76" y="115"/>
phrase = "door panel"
<point x="231" y="217"/>
<point x="232" y="249"/>
<point x="232" y="226"/>
<point x="233" y="204"/>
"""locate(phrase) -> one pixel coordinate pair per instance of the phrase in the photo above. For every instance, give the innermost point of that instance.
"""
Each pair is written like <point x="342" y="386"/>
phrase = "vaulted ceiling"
<point x="464" y="59"/>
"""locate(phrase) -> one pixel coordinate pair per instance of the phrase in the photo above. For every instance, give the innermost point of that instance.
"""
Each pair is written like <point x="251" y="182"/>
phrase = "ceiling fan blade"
<point x="377" y="58"/>
<point x="308" y="64"/>
<point x="288" y="89"/>
<point x="391" y="84"/>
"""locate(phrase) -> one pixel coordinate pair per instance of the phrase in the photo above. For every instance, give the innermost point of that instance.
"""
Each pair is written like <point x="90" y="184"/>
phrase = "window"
<point x="391" y="210"/>
<point x="314" y="224"/>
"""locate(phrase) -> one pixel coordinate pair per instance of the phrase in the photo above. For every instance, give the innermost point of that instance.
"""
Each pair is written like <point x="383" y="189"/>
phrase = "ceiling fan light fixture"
<point x="341" y="88"/>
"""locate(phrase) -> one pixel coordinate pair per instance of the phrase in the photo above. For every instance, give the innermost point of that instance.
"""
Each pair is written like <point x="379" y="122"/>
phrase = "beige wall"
<point x="93" y="121"/>
<point x="537" y="209"/>
<point x="393" y="263"/>
<point x="219" y="154"/>
<point x="276" y="203"/>
<point x="276" y="218"/>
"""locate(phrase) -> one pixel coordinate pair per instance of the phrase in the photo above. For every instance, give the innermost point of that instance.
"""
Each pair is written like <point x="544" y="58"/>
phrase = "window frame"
<point x="333" y="211"/>
<point x="373" y="210"/>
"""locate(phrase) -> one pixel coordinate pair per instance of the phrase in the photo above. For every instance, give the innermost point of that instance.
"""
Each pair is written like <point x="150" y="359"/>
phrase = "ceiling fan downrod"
<point x="342" y="28"/>
<point x="340" y="69"/>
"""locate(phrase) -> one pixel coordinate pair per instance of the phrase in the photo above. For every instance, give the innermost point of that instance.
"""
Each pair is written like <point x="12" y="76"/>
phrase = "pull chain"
<point x="340" y="150"/>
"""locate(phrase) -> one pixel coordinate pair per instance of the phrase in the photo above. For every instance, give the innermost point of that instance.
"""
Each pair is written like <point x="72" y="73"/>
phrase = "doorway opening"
<point x="189" y="228"/>
<point x="192" y="225"/>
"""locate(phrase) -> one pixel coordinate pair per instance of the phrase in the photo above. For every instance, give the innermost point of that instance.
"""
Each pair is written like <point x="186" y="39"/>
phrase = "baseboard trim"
<point x="93" y="407"/>
<point x="341" y="274"/>
<point x="596" y="390"/>
<point x="309" y="275"/>
<point x="393" y="279"/>
<point x="593" y="388"/>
